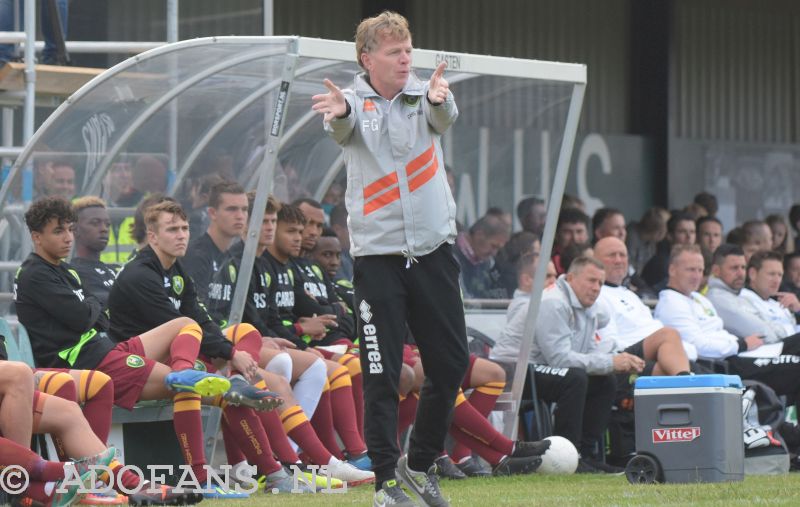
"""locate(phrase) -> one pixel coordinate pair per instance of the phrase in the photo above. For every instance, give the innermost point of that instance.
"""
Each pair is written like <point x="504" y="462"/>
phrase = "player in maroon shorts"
<point x="67" y="325"/>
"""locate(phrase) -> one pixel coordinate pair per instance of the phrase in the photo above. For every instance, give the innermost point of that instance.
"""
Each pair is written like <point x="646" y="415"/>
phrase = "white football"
<point x="560" y="458"/>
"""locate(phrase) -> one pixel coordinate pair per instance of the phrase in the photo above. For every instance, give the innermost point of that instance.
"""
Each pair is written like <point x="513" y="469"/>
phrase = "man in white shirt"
<point x="694" y="316"/>
<point x="764" y="272"/>
<point x="631" y="325"/>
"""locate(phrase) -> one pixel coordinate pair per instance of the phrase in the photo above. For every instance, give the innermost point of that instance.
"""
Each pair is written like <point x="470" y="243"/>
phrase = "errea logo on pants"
<point x="373" y="353"/>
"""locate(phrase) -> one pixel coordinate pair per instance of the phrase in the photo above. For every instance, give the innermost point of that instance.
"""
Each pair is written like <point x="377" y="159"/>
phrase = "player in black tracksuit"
<point x="202" y="261"/>
<point x="223" y="284"/>
<point x="315" y="294"/>
<point x="97" y="276"/>
<point x="146" y="295"/>
<point x="281" y="316"/>
<point x="71" y="314"/>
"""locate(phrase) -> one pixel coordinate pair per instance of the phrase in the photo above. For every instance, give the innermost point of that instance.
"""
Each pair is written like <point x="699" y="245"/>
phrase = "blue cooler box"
<point x="688" y="429"/>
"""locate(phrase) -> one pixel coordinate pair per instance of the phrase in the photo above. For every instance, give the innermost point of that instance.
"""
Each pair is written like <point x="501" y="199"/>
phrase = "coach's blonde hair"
<point x="372" y="30"/>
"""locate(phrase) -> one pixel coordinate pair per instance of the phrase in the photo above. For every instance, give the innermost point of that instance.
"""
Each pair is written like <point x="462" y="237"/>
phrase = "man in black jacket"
<point x="67" y="325"/>
<point x="315" y="293"/>
<point x="227" y="210"/>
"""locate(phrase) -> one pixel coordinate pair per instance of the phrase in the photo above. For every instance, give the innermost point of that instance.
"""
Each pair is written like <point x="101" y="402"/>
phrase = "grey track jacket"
<point x="397" y="195"/>
<point x="565" y="333"/>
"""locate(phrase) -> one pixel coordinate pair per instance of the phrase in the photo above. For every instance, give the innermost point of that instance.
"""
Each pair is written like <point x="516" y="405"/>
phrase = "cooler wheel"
<point x="643" y="469"/>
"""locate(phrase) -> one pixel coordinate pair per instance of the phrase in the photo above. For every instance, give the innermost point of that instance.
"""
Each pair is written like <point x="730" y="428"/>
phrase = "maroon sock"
<point x="185" y="347"/>
<point x="245" y="338"/>
<point x="296" y="425"/>
<point x="246" y="429"/>
<point x="358" y="401"/>
<point x="232" y="451"/>
<point x="344" y="413"/>
<point x="466" y="418"/>
<point x="38" y="469"/>
<point x="96" y="392"/>
<point x="407" y="412"/>
<point x="322" y="421"/>
<point x="484" y="451"/>
<point x="123" y="478"/>
<point x="61" y="384"/>
<point x="482" y="399"/>
<point x="271" y="421"/>
<point x="189" y="429"/>
<point x="36" y="492"/>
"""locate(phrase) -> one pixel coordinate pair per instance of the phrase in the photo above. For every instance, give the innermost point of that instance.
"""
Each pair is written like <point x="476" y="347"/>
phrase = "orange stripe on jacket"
<point x="380" y="202"/>
<point x="421" y="161"/>
<point x="423" y="177"/>
<point x="378" y="185"/>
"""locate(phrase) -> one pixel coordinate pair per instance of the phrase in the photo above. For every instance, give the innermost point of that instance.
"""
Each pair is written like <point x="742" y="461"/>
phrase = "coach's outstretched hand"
<point x="437" y="91"/>
<point x="331" y="104"/>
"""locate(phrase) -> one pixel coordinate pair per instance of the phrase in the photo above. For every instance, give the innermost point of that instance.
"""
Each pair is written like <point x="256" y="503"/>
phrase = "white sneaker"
<point x="349" y="474"/>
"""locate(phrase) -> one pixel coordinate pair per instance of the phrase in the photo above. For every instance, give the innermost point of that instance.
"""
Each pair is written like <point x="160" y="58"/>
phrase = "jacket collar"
<point x="363" y="89"/>
<point x="565" y="289"/>
<point x="717" y="283"/>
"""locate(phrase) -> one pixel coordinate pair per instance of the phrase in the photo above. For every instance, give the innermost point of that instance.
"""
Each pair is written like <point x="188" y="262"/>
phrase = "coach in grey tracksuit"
<point x="574" y="368"/>
<point x="402" y="226"/>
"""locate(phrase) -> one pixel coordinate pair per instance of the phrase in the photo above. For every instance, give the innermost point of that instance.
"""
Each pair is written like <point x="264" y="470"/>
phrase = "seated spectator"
<point x="756" y="237"/>
<point x="695" y="211"/>
<point x="709" y="234"/>
<point x="780" y="234"/>
<point x="708" y="201"/>
<point x="608" y="222"/>
<point x="680" y="231"/>
<point x="574" y="370"/>
<point x="521" y="243"/>
<point x="631" y="326"/>
<point x="573" y="227"/>
<point x="505" y="216"/>
<point x="794" y="221"/>
<point x="574" y="251"/>
<point x="475" y="251"/>
<point x="199" y="194"/>
<point x="777" y="309"/>
<point x="91" y="237"/>
<point x="738" y="314"/>
<point x="791" y="274"/>
<point x="699" y="323"/>
<point x="62" y="180"/>
<point x="644" y="235"/>
<point x="532" y="213"/>
<point x="573" y="202"/>
<point x="227" y="212"/>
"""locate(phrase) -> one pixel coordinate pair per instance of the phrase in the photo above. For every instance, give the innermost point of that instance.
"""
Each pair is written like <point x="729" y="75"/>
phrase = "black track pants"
<point x="426" y="298"/>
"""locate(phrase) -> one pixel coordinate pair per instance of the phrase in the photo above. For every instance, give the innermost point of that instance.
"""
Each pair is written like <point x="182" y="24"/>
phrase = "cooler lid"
<point x="715" y="380"/>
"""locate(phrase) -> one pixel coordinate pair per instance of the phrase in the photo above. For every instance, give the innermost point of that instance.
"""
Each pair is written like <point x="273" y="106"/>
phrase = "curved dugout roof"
<point x="240" y="108"/>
